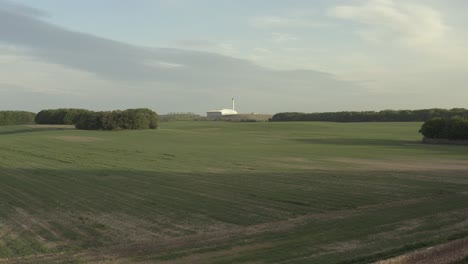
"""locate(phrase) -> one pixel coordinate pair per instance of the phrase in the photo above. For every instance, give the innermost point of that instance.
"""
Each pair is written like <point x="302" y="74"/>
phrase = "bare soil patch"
<point x="145" y="242"/>
<point x="78" y="139"/>
<point x="204" y="257"/>
<point x="295" y="163"/>
<point x="133" y="239"/>
<point x="445" y="142"/>
<point x="51" y="126"/>
<point x="368" y="164"/>
<point x="450" y="252"/>
<point x="406" y="165"/>
<point x="343" y="246"/>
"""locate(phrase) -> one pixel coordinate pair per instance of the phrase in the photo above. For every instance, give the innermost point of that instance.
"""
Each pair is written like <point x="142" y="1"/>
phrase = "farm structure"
<point x="222" y="112"/>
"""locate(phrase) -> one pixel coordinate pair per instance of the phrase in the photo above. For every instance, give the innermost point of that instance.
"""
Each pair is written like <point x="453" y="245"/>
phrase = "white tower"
<point x="233" y="106"/>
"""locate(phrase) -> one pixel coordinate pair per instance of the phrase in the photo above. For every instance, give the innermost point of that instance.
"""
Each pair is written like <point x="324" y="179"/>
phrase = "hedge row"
<point x="180" y="117"/>
<point x="446" y="128"/>
<point x="112" y="120"/>
<point x="63" y="116"/>
<point x="16" y="118"/>
<point x="371" y="116"/>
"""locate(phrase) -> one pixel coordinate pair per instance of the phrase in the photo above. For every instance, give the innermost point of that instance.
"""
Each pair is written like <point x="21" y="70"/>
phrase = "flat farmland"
<point x="225" y="192"/>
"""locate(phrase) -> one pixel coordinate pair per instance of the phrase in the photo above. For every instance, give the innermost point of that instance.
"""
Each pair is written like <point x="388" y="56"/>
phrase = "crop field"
<point x="225" y="192"/>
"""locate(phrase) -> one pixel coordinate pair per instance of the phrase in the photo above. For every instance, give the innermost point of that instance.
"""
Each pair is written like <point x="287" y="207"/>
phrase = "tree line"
<point x="181" y="117"/>
<point x="62" y="116"/>
<point x="373" y="116"/>
<point x="455" y="128"/>
<point x="16" y="118"/>
<point x="141" y="118"/>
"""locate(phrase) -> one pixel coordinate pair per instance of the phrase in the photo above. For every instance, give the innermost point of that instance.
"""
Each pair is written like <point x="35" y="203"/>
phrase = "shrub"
<point x="434" y="128"/>
<point x="16" y="118"/>
<point x="89" y="121"/>
<point x="129" y="119"/>
<point x="63" y="116"/>
<point x="446" y="128"/>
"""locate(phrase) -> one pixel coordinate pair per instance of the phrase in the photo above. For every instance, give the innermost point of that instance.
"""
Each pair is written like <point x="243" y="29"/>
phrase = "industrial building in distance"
<point x="222" y="112"/>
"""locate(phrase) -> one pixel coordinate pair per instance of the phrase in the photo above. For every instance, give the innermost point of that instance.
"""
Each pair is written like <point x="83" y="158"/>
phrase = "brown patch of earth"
<point x="406" y="165"/>
<point x="136" y="230"/>
<point x="22" y="222"/>
<point x="204" y="257"/>
<point x="367" y="164"/>
<point x="152" y="244"/>
<point x="343" y="246"/>
<point x="295" y="163"/>
<point x="51" y="126"/>
<point x="208" y="129"/>
<point x="78" y="139"/>
<point x="450" y="252"/>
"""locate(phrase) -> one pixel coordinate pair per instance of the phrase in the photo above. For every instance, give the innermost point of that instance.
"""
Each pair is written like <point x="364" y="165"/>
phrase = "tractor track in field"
<point x="222" y="236"/>
<point x="450" y="252"/>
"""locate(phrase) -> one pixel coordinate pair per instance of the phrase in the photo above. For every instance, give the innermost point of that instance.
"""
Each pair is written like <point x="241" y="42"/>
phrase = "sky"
<point x="271" y="55"/>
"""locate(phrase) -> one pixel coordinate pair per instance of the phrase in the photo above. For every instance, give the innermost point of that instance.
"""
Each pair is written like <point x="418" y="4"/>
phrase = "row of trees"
<point x="113" y="120"/>
<point x="372" y="116"/>
<point x="62" y="116"/>
<point x="109" y="120"/>
<point x="16" y="118"/>
<point x="181" y="117"/>
<point x="455" y="128"/>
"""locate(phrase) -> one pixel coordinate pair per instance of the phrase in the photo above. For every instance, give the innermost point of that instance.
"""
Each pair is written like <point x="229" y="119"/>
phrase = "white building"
<point x="222" y="112"/>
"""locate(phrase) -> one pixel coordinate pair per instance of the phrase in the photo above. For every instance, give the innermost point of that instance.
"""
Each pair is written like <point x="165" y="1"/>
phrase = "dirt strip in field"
<point x="402" y="165"/>
<point x="450" y="252"/>
<point x="128" y="250"/>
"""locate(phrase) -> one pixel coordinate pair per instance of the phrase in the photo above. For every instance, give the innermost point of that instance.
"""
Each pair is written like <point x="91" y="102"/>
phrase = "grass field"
<point x="215" y="192"/>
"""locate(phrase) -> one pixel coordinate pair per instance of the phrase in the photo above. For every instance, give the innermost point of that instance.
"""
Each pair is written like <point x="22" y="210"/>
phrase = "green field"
<point x="224" y="192"/>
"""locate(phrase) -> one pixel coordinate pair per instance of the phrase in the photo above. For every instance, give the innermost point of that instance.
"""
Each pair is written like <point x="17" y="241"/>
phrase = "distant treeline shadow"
<point x="357" y="141"/>
<point x="33" y="129"/>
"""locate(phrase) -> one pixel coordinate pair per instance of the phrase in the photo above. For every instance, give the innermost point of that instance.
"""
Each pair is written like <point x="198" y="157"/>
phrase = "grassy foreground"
<point x="214" y="192"/>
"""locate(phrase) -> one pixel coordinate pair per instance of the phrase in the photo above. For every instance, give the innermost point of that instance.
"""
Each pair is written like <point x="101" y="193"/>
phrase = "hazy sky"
<point x="271" y="55"/>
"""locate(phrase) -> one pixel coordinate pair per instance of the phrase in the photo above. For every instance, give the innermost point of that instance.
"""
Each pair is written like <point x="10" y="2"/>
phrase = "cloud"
<point x="396" y="21"/>
<point x="297" y="19"/>
<point x="46" y="66"/>
<point x="196" y="43"/>
<point x="208" y="46"/>
<point x="271" y="21"/>
<point x="112" y="73"/>
<point x="111" y="59"/>
<point x="22" y="9"/>
<point x="101" y="56"/>
<point x="417" y="35"/>
<point x="283" y="37"/>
